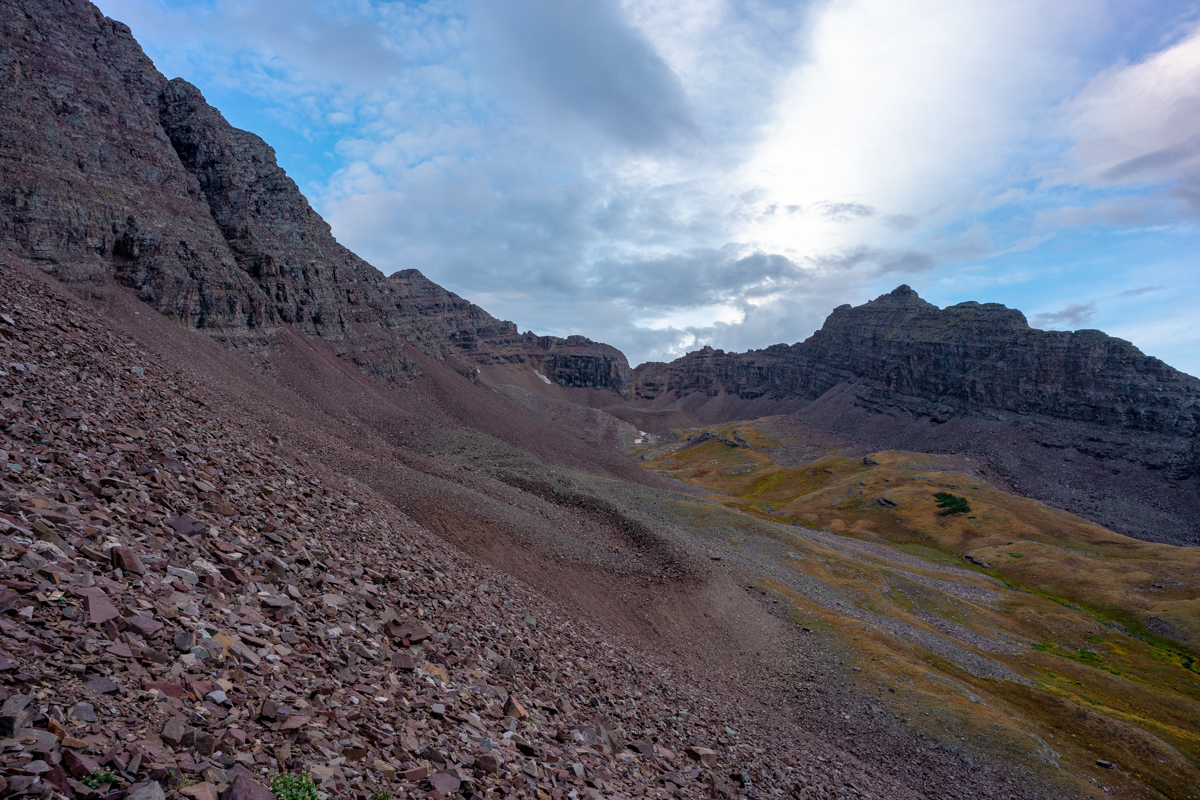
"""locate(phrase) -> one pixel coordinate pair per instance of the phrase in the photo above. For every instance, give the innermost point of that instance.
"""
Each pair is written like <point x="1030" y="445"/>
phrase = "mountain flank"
<point x="1082" y="420"/>
<point x="110" y="169"/>
<point x="264" y="509"/>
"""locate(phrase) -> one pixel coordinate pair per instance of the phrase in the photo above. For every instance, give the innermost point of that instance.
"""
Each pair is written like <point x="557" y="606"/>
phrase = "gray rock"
<point x="82" y="712"/>
<point x="148" y="791"/>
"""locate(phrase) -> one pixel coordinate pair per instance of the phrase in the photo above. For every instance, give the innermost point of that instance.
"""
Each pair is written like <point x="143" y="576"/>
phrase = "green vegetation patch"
<point x="951" y="504"/>
<point x="293" y="786"/>
<point x="99" y="777"/>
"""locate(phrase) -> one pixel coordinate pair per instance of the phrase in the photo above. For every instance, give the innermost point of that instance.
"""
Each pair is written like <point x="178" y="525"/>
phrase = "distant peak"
<point x="902" y="296"/>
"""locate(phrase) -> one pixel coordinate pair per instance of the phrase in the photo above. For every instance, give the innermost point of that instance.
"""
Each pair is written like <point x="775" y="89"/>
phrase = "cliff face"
<point x="904" y="352"/>
<point x="483" y="339"/>
<point x="110" y="169"/>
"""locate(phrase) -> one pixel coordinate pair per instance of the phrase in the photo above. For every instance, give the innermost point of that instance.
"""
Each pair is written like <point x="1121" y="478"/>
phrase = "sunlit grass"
<point x="1103" y="623"/>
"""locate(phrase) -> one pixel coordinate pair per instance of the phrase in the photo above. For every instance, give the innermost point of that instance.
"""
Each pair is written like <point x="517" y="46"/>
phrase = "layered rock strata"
<point x="112" y="170"/>
<point x="903" y="353"/>
<point x="480" y="337"/>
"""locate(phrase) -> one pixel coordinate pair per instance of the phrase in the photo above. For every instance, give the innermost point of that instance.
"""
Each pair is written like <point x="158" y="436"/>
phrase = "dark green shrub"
<point x="951" y="504"/>
<point x="99" y="777"/>
<point x="293" y="786"/>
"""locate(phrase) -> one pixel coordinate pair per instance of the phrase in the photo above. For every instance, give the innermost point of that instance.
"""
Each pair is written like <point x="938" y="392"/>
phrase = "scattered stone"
<point x="704" y="755"/>
<point x="82" y="712"/>
<point x="101" y="685"/>
<point x="124" y="559"/>
<point x="98" y="607"/>
<point x="246" y="788"/>
<point x="445" y="782"/>
<point x="149" y="791"/>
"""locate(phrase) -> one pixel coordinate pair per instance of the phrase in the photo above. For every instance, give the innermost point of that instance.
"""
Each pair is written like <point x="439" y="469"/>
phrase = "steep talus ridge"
<point x="574" y="361"/>
<point x="223" y="607"/>
<point x="1083" y="420"/>
<point x="970" y="356"/>
<point x="91" y="184"/>
<point x="110" y="169"/>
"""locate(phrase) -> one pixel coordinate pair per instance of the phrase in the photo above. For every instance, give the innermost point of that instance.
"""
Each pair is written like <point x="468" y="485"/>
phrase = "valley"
<point x="1066" y="641"/>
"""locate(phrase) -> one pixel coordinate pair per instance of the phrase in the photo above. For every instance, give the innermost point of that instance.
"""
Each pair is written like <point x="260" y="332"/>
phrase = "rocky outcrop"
<point x="1083" y="421"/>
<point x="111" y="170"/>
<point x="481" y="338"/>
<point x="904" y="352"/>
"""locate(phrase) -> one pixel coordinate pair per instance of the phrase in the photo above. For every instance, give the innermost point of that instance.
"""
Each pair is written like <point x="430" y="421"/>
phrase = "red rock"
<point x="513" y="708"/>
<point x="414" y="632"/>
<point x="445" y="782"/>
<point x="124" y="559"/>
<point x="145" y="627"/>
<point x="295" y="723"/>
<point x="490" y="763"/>
<point x="415" y="774"/>
<point x="57" y="777"/>
<point x="173" y="732"/>
<point x="102" y="685"/>
<point x="403" y="661"/>
<point x="186" y="525"/>
<point x="702" y="754"/>
<point x="246" y="788"/>
<point x="78" y="764"/>
<point x="98" y="607"/>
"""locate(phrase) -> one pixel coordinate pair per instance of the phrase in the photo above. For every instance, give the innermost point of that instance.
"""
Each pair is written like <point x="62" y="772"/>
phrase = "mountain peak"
<point x="903" y="296"/>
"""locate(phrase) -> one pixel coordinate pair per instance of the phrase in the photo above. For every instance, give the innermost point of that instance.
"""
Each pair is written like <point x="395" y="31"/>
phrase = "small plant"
<point x="951" y="504"/>
<point x="99" y="777"/>
<point x="293" y="786"/>
<point x="381" y="794"/>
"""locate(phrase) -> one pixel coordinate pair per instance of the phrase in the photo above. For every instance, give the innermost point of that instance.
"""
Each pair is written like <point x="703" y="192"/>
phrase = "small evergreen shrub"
<point x="293" y="786"/>
<point x="951" y="504"/>
<point x="99" y="777"/>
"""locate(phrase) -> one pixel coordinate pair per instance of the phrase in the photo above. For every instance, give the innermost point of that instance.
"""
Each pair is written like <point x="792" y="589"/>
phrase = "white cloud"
<point x="1139" y="124"/>
<point x="906" y="108"/>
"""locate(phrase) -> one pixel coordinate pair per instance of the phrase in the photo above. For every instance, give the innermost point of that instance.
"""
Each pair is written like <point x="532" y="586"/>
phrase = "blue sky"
<point x="663" y="174"/>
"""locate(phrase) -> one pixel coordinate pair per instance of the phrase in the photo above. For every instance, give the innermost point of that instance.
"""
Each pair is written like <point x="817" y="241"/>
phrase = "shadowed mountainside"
<point x="111" y="169"/>
<point x="1083" y="420"/>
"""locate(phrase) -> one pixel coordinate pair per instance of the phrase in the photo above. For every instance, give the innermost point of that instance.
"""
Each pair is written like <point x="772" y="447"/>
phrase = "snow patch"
<point x="543" y="377"/>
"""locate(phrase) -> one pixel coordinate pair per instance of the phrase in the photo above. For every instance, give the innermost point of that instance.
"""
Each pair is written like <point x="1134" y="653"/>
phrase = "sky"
<point x="667" y="174"/>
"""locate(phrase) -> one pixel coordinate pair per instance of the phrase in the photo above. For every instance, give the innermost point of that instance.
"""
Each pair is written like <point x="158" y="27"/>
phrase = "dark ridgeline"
<point x="970" y="357"/>
<point x="111" y="170"/>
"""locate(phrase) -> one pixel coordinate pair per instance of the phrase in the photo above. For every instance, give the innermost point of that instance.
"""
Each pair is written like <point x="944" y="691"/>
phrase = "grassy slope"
<point x="1100" y="631"/>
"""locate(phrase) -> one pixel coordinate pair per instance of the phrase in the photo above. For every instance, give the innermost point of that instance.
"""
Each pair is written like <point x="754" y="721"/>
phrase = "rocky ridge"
<point x="969" y="357"/>
<point x="574" y="361"/>
<point x="192" y="610"/>
<point x="1083" y="420"/>
<point x="111" y="169"/>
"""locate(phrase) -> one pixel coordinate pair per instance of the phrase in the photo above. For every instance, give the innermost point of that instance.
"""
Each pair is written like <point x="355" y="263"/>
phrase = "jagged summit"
<point x="906" y="360"/>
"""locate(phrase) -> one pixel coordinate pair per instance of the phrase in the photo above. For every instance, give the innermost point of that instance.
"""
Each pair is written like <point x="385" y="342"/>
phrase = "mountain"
<point x="265" y="509"/>
<point x="1083" y="420"/>
<point x="111" y="170"/>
